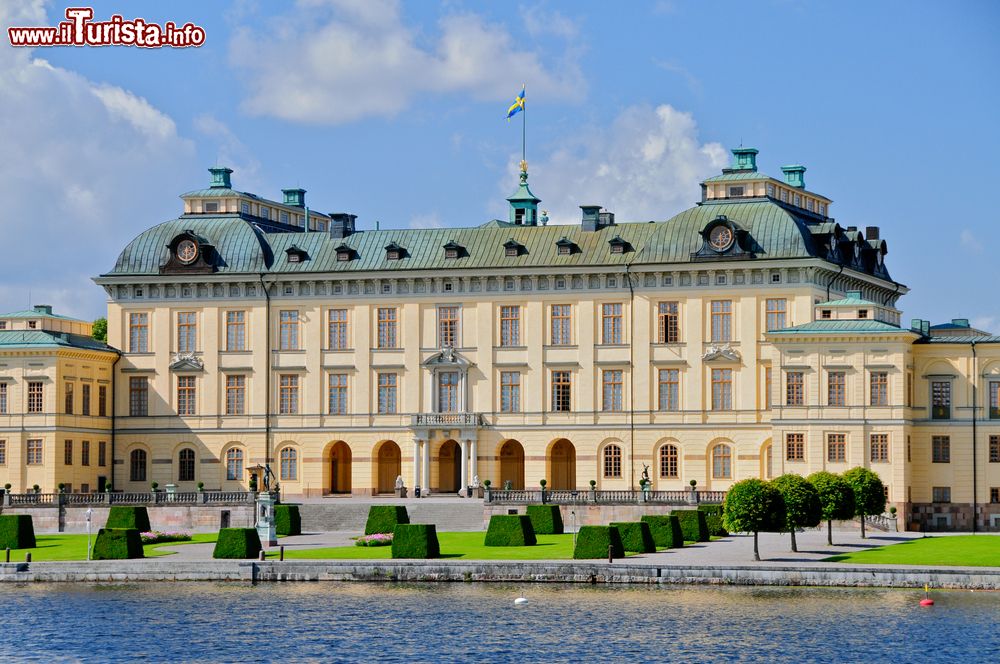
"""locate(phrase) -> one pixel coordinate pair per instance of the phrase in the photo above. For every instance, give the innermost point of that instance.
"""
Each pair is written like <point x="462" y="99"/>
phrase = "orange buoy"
<point x="927" y="601"/>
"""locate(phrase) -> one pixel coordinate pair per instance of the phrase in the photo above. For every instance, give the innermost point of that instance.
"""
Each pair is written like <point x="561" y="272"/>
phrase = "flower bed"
<point x="156" y="537"/>
<point x="378" y="539"/>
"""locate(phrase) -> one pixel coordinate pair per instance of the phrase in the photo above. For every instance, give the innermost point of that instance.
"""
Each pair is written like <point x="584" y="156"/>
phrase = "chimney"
<point x="43" y="309"/>
<point x="220" y="177"/>
<point x="795" y="175"/>
<point x="745" y="159"/>
<point x="296" y="197"/>
<point x="591" y="217"/>
<point x="341" y="224"/>
<point x="871" y="232"/>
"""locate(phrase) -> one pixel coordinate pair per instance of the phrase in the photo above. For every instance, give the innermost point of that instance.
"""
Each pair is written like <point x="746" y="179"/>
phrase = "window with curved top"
<point x="612" y="461"/>
<point x="234" y="464"/>
<point x="137" y="466"/>
<point x="289" y="464"/>
<point x="669" y="462"/>
<point x="185" y="465"/>
<point x="722" y="462"/>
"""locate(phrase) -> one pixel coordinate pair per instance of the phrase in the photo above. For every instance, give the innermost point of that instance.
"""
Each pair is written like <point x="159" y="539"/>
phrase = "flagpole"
<point x="524" y="122"/>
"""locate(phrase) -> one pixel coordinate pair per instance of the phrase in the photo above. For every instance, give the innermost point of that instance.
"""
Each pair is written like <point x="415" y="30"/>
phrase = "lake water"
<point x="183" y="622"/>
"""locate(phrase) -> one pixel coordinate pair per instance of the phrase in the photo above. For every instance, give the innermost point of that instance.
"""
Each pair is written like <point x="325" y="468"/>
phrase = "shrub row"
<point x="636" y="536"/>
<point x="666" y="530"/>
<point x="117" y="544"/>
<point x="510" y="530"/>
<point x="128" y="516"/>
<point x="239" y="543"/>
<point x="546" y="519"/>
<point x="693" y="525"/>
<point x="17" y="532"/>
<point x="593" y="542"/>
<point x="415" y="540"/>
<point x="713" y="518"/>
<point x="287" y="520"/>
<point x="384" y="518"/>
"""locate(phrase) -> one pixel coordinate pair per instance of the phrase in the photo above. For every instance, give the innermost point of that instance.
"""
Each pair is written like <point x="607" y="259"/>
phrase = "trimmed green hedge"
<point x="128" y="516"/>
<point x="415" y="540"/>
<point x="693" y="525"/>
<point x="636" y="536"/>
<point x="713" y="517"/>
<point x="510" y="530"/>
<point x="593" y="542"/>
<point x="384" y="518"/>
<point x="16" y="532"/>
<point x="546" y="519"/>
<point x="238" y="543"/>
<point x="666" y="530"/>
<point x="287" y="520"/>
<point x="117" y="544"/>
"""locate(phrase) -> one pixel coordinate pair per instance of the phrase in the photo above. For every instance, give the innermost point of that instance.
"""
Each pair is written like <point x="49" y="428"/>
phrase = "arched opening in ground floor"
<point x="390" y="466"/>
<point x="512" y="465"/>
<point x="340" y="468"/>
<point x="562" y="465"/>
<point x="449" y="467"/>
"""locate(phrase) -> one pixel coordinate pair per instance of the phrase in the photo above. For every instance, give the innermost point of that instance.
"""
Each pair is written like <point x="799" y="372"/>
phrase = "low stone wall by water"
<point x="188" y="518"/>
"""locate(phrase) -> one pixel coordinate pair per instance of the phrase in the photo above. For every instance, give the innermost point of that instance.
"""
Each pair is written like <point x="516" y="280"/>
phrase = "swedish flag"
<point x="517" y="106"/>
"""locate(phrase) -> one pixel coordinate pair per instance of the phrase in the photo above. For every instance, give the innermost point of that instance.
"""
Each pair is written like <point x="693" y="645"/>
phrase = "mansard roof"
<point x="29" y="339"/>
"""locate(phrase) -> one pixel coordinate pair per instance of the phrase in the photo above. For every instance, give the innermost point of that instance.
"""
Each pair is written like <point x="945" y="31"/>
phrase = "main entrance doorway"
<point x="390" y="466"/>
<point x="512" y="465"/>
<point x="562" y="465"/>
<point x="450" y="467"/>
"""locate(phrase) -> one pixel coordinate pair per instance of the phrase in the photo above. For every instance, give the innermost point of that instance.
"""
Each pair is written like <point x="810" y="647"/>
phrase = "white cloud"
<point x="361" y="60"/>
<point x="540" y="22"/>
<point x="970" y="241"/>
<point x="429" y="220"/>
<point x="86" y="167"/>
<point x="232" y="152"/>
<point x="645" y="166"/>
<point x="988" y="323"/>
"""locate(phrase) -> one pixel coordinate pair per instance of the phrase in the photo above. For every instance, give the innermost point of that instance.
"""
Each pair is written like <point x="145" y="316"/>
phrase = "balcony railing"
<point x="593" y="497"/>
<point x="128" y="498"/>
<point x="446" y="419"/>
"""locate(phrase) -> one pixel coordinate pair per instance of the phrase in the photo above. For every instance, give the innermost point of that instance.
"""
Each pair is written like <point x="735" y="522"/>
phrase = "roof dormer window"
<point x="512" y="248"/>
<point x="453" y="250"/>
<point x="344" y="253"/>
<point x="619" y="245"/>
<point x="394" y="252"/>
<point x="565" y="246"/>
<point x="296" y="255"/>
<point x="32" y="324"/>
<point x="826" y="314"/>
<point x="862" y="313"/>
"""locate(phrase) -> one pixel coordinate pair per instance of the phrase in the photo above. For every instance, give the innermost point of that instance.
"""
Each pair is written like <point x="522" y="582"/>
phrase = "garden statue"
<point x="475" y="481"/>
<point x="645" y="474"/>
<point x="399" y="482"/>
<point x="268" y="476"/>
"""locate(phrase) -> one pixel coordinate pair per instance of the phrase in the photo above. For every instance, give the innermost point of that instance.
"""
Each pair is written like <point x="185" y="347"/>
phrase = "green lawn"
<point x="960" y="550"/>
<point x="74" y="547"/>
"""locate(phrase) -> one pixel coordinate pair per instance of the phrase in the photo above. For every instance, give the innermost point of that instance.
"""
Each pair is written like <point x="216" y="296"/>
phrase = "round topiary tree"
<point x="869" y="493"/>
<point x="802" y="507"/>
<point x="751" y="506"/>
<point x="836" y="499"/>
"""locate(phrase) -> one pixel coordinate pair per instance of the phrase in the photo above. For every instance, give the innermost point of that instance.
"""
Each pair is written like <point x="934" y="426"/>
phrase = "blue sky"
<point x="395" y="113"/>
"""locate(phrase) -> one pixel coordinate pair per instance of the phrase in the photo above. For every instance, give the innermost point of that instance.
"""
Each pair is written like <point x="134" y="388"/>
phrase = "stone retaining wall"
<point x="189" y="518"/>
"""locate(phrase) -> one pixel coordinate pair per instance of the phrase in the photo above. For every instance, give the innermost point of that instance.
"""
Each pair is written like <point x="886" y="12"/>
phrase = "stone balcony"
<point x="446" y="420"/>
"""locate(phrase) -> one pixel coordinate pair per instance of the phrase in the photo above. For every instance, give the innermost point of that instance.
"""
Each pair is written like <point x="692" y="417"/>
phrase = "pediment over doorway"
<point x="447" y="358"/>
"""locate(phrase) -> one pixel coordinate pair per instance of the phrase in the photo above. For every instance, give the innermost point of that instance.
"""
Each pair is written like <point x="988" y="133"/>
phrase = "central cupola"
<point x="523" y="203"/>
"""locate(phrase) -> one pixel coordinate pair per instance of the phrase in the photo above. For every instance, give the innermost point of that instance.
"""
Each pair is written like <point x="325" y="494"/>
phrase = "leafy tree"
<point x="802" y="507"/>
<point x="836" y="497"/>
<point x="100" y="330"/>
<point x="751" y="506"/>
<point x="869" y="493"/>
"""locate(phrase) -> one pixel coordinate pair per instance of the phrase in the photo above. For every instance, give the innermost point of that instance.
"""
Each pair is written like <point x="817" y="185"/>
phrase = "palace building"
<point x="748" y="336"/>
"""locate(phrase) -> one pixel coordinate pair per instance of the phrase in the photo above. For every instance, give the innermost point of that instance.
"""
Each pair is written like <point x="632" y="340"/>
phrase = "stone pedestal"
<point x="265" y="519"/>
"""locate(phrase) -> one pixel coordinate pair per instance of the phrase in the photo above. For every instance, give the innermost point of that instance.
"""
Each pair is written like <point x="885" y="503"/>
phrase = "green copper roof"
<point x="34" y="313"/>
<point x="10" y="339"/>
<point x="840" y="327"/>
<point x="739" y="175"/>
<point x="853" y="299"/>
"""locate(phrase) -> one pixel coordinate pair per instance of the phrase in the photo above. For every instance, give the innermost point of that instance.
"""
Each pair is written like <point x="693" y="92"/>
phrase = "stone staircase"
<point x="350" y="515"/>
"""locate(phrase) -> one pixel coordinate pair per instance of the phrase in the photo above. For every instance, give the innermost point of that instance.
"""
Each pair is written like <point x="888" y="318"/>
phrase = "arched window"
<point x="185" y="465"/>
<point x="137" y="466"/>
<point x="722" y="462"/>
<point x="668" y="462"/>
<point x="234" y="464"/>
<point x="289" y="464"/>
<point x="612" y="461"/>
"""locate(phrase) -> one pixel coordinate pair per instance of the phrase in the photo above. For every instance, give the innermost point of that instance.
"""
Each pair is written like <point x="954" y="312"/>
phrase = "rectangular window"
<point x="35" y="397"/>
<point x="879" y="388"/>
<point x="85" y="399"/>
<point x="3" y="398"/>
<point x="941" y="400"/>
<point x="510" y="391"/>
<point x="775" y="314"/>
<point x="288" y="334"/>
<point x="878" y="444"/>
<point x="612" y="383"/>
<point x="387" y="393"/>
<point x="448" y="327"/>
<point x="611" y="323"/>
<point x="994" y="449"/>
<point x="795" y="447"/>
<point x="102" y="453"/>
<point x="836" y="448"/>
<point x="337" y="396"/>
<point x="3" y="452"/>
<point x="722" y="389"/>
<point x="941" y="449"/>
<point x="187" y="332"/>
<point x="510" y="325"/>
<point x="138" y="396"/>
<point x="84" y="452"/>
<point x="722" y="320"/>
<point x="102" y="400"/>
<point x="994" y="400"/>
<point x="236" y="330"/>
<point x="185" y="395"/>
<point x="69" y="398"/>
<point x="994" y="494"/>
<point x="236" y="394"/>
<point x="447" y="392"/>
<point x="767" y="388"/>
<point x="68" y="452"/>
<point x="836" y="388"/>
<point x="34" y="457"/>
<point x="288" y="394"/>
<point x="561" y="388"/>
<point x="562" y="323"/>
<point x="668" y="329"/>
<point x="794" y="388"/>
<point x="336" y="329"/>
<point x="670" y="389"/>
<point x="386" y="327"/>
<point x="138" y="333"/>
<point x="941" y="494"/>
